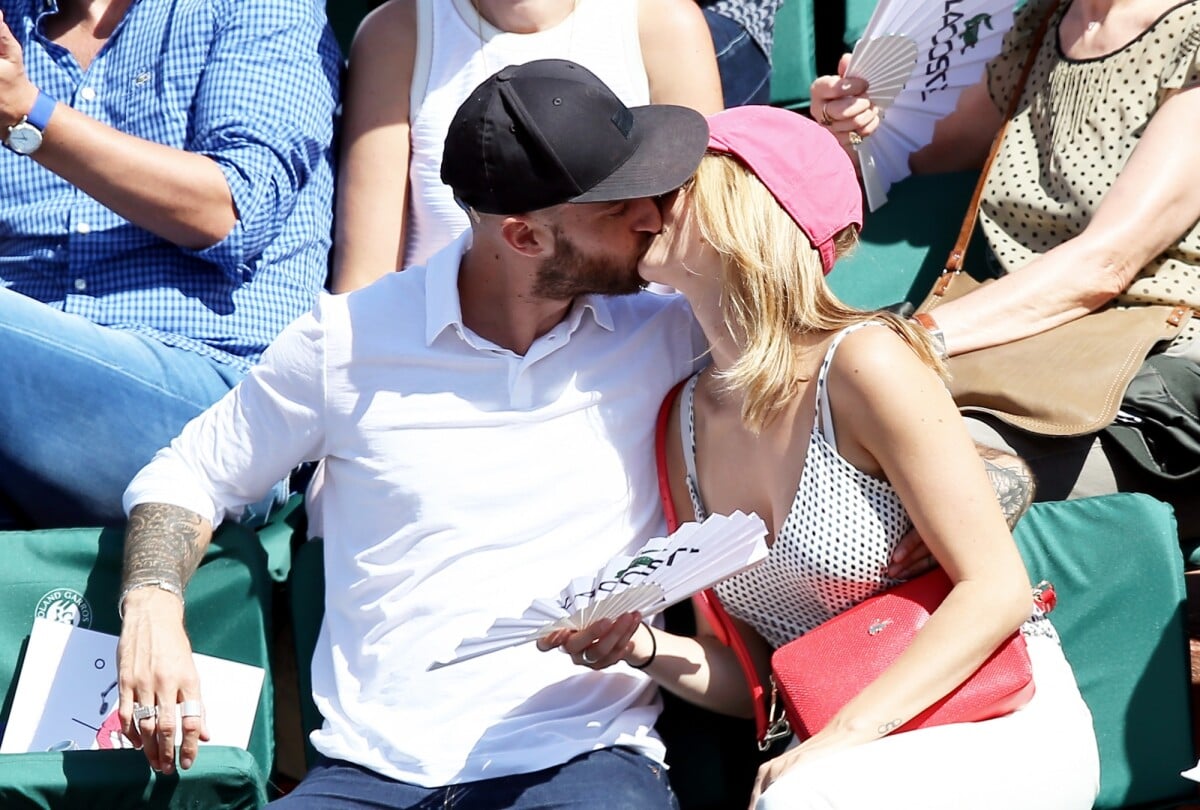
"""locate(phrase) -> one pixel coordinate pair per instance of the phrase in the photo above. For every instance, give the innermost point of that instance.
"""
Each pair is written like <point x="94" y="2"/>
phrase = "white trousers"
<point x="1043" y="755"/>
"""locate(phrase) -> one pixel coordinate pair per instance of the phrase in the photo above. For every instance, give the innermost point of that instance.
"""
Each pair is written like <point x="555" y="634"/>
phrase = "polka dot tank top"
<point x="1075" y="127"/>
<point x="835" y="544"/>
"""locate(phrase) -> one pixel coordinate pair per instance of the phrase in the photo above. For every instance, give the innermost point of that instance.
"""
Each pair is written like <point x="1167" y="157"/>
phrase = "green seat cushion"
<point x="75" y="574"/>
<point x="223" y="777"/>
<point x="1116" y="566"/>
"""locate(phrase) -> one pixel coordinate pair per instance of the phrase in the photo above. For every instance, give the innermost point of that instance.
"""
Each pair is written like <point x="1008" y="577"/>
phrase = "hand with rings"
<point x="599" y="645"/>
<point x="159" y="687"/>
<point x="841" y="105"/>
<point x="141" y="713"/>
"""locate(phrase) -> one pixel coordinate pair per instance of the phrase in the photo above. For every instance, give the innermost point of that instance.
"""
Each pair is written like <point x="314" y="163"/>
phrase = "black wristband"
<point x="653" y="649"/>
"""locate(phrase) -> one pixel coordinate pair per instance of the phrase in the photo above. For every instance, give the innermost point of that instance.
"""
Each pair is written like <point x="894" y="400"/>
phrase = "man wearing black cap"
<point x="484" y="425"/>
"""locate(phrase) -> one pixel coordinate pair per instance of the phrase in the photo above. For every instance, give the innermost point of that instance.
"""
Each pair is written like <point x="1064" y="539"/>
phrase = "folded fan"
<point x="663" y="572"/>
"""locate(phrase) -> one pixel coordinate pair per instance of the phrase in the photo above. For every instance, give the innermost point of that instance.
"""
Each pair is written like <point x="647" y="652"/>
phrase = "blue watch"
<point x="25" y="136"/>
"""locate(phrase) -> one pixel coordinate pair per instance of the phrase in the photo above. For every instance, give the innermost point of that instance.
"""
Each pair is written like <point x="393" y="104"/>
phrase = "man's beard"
<point x="570" y="272"/>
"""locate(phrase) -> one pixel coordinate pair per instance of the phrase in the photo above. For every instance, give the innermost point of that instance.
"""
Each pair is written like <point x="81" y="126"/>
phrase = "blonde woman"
<point x="835" y="426"/>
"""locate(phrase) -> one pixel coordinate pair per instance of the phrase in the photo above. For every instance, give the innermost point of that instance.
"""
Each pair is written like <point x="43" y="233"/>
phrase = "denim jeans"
<point x="83" y="408"/>
<point x="745" y="69"/>
<point x="611" y="778"/>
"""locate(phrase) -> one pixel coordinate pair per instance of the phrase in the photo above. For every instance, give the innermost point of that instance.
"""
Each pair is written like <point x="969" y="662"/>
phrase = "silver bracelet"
<point x="162" y="584"/>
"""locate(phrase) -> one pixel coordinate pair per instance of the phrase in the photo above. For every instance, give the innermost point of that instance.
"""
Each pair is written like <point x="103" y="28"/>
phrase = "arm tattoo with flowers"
<point x="163" y="542"/>
<point x="1011" y="479"/>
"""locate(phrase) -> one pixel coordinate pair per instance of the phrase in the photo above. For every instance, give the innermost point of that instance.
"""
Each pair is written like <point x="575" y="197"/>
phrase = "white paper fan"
<point x="953" y="42"/>
<point x="663" y="572"/>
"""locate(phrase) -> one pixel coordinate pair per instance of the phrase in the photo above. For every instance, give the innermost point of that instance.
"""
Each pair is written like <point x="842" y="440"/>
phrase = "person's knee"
<point x="799" y="789"/>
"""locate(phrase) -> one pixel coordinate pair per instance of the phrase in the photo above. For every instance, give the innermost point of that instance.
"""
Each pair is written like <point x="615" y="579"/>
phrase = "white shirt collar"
<point x="443" y="308"/>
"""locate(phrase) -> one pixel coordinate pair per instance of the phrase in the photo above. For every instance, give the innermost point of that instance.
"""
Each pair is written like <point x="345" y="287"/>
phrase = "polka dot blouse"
<point x="1075" y="127"/>
<point x="834" y="546"/>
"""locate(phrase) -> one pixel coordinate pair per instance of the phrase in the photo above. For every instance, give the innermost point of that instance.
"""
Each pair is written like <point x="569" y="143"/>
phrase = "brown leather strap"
<point x="954" y="262"/>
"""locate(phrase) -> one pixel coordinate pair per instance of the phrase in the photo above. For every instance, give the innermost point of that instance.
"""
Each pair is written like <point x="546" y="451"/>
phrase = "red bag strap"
<point x="707" y="601"/>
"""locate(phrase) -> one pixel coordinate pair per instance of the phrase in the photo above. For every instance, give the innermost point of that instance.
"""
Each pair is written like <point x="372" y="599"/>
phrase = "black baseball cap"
<point x="550" y="132"/>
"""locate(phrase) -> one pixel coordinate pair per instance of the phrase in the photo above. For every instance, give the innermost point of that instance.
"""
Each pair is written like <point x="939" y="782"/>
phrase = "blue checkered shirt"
<point x="250" y="83"/>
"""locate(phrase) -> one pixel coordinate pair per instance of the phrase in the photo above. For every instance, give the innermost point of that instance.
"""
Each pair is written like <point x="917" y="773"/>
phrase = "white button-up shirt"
<point x="460" y="482"/>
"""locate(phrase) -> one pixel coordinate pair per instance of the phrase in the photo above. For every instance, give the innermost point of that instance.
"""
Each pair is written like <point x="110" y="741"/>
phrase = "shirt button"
<point x="80" y="284"/>
<point x="88" y="93"/>
<point x="83" y="227"/>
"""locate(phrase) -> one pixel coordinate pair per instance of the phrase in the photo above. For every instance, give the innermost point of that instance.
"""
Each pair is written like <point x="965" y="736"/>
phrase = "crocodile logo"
<point x="636" y="562"/>
<point x="878" y="626"/>
<point x="970" y="34"/>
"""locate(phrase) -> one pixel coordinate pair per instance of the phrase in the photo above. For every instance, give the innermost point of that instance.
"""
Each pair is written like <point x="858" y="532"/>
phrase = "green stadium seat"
<point x="793" y="57"/>
<point x="1116" y="566"/>
<point x="904" y="245"/>
<point x="228" y="615"/>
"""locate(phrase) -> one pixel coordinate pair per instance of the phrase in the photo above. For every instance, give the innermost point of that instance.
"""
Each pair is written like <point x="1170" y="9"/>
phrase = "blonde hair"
<point x="773" y="287"/>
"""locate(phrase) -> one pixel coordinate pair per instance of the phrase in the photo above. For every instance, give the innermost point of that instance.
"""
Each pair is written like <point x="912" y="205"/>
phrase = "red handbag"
<point x="818" y="673"/>
<point x="814" y="676"/>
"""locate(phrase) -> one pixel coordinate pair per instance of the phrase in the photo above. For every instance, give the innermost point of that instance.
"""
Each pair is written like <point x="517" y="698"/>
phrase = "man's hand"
<point x="17" y="93"/>
<point x="155" y="669"/>
<point x="911" y="557"/>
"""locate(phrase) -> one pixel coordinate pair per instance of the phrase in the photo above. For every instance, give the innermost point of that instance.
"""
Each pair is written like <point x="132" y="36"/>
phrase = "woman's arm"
<point x="1154" y="201"/>
<point x="372" y="183"/>
<point x="677" y="50"/>
<point x="894" y="417"/>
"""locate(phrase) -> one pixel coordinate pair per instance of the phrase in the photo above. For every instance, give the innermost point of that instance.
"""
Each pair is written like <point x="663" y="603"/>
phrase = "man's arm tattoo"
<point x="1012" y="480"/>
<point x="163" y="542"/>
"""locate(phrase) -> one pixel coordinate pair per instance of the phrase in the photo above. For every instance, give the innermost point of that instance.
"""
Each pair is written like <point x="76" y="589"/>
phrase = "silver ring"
<point x="587" y="658"/>
<point x="141" y="712"/>
<point x="191" y="708"/>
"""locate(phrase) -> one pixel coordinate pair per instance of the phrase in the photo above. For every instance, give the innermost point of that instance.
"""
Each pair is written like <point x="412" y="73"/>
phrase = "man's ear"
<point x="527" y="236"/>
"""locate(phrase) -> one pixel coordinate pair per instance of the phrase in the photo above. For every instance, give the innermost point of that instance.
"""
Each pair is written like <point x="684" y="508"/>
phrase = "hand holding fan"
<point x="665" y="571"/>
<point x="916" y="58"/>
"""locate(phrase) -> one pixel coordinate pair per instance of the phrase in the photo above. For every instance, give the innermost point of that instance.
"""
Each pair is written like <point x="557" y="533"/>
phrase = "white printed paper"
<point x="67" y="695"/>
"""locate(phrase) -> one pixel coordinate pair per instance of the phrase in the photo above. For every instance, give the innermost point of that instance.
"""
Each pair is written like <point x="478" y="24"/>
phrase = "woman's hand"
<point x="841" y="105"/>
<point x="604" y="642"/>
<point x="823" y="743"/>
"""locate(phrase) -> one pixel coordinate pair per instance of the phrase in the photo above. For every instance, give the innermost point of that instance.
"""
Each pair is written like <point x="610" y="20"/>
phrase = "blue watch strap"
<point x="39" y="116"/>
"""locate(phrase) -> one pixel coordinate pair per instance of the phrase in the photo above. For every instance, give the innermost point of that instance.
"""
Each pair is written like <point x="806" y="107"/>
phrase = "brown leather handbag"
<point x="1066" y="381"/>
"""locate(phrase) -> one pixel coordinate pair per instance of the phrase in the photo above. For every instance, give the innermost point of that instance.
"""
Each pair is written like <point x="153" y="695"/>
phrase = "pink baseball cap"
<point x="800" y="163"/>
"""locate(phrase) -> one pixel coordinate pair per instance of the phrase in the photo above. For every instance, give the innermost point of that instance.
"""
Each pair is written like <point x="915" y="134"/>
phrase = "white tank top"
<point x="601" y="35"/>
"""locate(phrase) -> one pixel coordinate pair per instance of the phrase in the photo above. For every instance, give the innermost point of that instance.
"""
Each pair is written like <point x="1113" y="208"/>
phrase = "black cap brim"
<point x="674" y="139"/>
